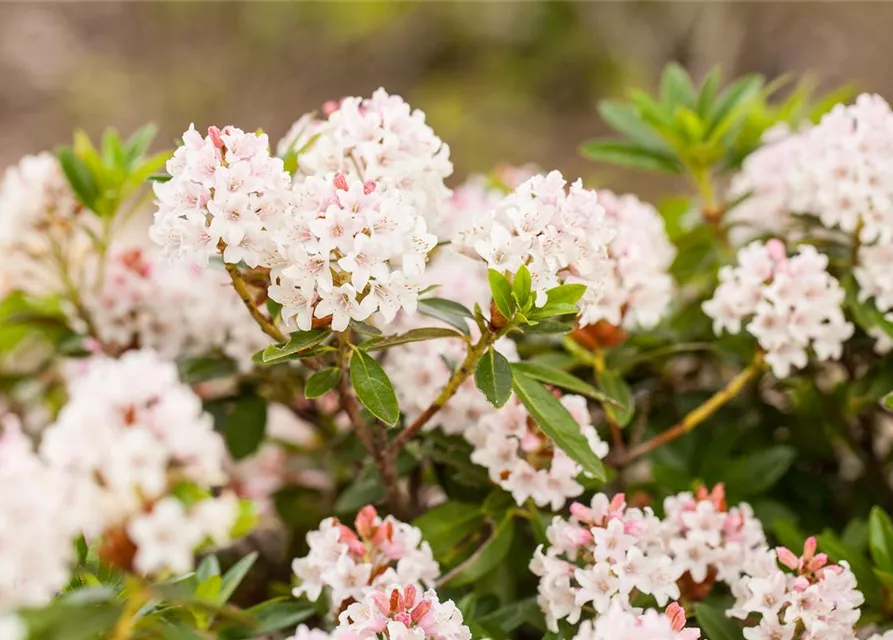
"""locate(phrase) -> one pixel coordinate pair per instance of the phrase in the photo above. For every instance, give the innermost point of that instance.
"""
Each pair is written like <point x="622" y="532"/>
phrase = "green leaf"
<point x="556" y="422"/>
<point x="562" y="379"/>
<point x="209" y="566"/>
<point x="615" y="387"/>
<point x="515" y="615"/>
<point x="675" y="87"/>
<point x="413" y="335"/>
<point x="707" y="93"/>
<point x="234" y="576"/>
<point x="138" y="143"/>
<point x="552" y="309"/>
<point x="488" y="556"/>
<point x="79" y="177"/>
<point x="521" y="286"/>
<point x="493" y="376"/>
<point x="628" y="154"/>
<point x="624" y="119"/>
<point x="112" y="149"/>
<point x="715" y="624"/>
<point x="365" y="329"/>
<point x="373" y="387"/>
<point x="880" y="539"/>
<point x="865" y="313"/>
<point x="502" y="293"/>
<point x="725" y="109"/>
<point x="322" y="382"/>
<point x="447" y="311"/>
<point x="566" y="294"/>
<point x="245" y="426"/>
<point x="755" y="472"/>
<point x="292" y="348"/>
<point x="445" y="526"/>
<point x="62" y="621"/>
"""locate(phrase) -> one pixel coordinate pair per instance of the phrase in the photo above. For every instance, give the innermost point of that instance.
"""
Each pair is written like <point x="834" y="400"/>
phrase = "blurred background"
<point x="501" y="81"/>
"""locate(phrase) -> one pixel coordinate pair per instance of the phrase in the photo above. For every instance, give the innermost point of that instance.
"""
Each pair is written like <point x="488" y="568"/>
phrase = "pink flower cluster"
<point x="174" y="307"/>
<point x="638" y="288"/>
<point x="523" y="460"/>
<point x="789" y="304"/>
<point x="599" y="558"/>
<point x="621" y="624"/>
<point x="561" y="236"/>
<point x="381" y="139"/>
<point x="224" y="191"/>
<point x="706" y="538"/>
<point x="130" y="435"/>
<point x="352" y="563"/>
<point x="401" y="613"/>
<point x="814" y="600"/>
<point x="348" y="249"/>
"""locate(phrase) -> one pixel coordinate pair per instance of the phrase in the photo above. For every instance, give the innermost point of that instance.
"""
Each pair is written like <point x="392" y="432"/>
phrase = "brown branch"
<point x="699" y="415"/>
<point x="241" y="288"/>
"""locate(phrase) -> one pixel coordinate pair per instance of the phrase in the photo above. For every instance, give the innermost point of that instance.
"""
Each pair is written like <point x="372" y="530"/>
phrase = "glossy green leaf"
<point x="447" y="311"/>
<point x="556" y="422"/>
<point x="716" y="625"/>
<point x="373" y="387"/>
<point x="138" y="143"/>
<point x="413" y="335"/>
<point x="245" y="426"/>
<point x="521" y="286"/>
<point x="624" y="119"/>
<point x="729" y="103"/>
<point x="322" y="381"/>
<point x="628" y="154"/>
<point x="291" y="349"/>
<point x="566" y="293"/>
<point x="493" y="376"/>
<point x="563" y="380"/>
<point x="79" y="177"/>
<point x="707" y="92"/>
<point x="502" y="293"/>
<point x="614" y="386"/>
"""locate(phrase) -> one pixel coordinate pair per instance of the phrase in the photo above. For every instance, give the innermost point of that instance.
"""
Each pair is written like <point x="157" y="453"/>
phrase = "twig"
<point x="699" y="415"/>
<point x="241" y="288"/>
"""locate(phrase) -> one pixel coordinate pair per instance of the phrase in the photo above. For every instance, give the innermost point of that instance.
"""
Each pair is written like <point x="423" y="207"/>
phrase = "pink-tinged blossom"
<point x="789" y="304"/>
<point x="352" y="563"/>
<point x="621" y="624"/>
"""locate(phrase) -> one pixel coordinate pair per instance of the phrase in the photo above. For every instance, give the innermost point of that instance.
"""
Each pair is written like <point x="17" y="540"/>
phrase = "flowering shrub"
<point x="330" y="395"/>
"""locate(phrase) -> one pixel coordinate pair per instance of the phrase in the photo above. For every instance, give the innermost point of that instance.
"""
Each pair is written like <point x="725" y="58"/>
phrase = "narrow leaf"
<point x="493" y="377"/>
<point x="628" y="154"/>
<point x="675" y="86"/>
<point x="562" y="379"/>
<point x="615" y="387"/>
<point x="556" y="422"/>
<point x="291" y="349"/>
<point x="234" y="576"/>
<point x="447" y="311"/>
<point x="373" y="387"/>
<point x="413" y="335"/>
<point x="488" y="556"/>
<point x="625" y="120"/>
<point x="79" y="177"/>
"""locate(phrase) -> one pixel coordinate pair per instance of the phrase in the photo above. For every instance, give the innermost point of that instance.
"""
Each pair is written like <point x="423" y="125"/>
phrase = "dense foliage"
<point x="325" y="391"/>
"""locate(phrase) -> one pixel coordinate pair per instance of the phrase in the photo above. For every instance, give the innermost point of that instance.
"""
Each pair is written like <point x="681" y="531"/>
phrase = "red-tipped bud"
<point x="676" y="615"/>
<point x="787" y="558"/>
<point x="365" y="522"/>
<point x="369" y="187"/>
<point x="421" y="610"/>
<point x="396" y="601"/>
<point x="382" y="602"/>
<point x="809" y="547"/>
<point x="618" y="503"/>
<point x="340" y="181"/>
<point x="409" y="594"/>
<point x="214" y="134"/>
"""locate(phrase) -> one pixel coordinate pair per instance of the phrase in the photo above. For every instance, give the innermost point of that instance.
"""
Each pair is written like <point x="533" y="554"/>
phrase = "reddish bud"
<point x="214" y="134"/>
<point x="369" y="186"/>
<point x="382" y="602"/>
<point x="817" y="562"/>
<point x="396" y="601"/>
<point x="329" y="107"/>
<point x="340" y="181"/>
<point x="676" y="615"/>
<point x="365" y="522"/>
<point x="581" y="512"/>
<point x="421" y="611"/>
<point x="787" y="558"/>
<point x="409" y="594"/>
<point x="809" y="547"/>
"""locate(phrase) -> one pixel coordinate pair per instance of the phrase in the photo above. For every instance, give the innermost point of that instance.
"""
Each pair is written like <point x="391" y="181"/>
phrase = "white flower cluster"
<point x="707" y="539"/>
<point x="225" y="188"/>
<point x="837" y="170"/>
<point x="133" y="433"/>
<point x="523" y="460"/>
<point x="622" y="624"/>
<point x="352" y="563"/>
<point x="598" y="557"/>
<point x="872" y="273"/>
<point x="638" y="289"/>
<point x="381" y="139"/>
<point x="40" y="516"/>
<point x="793" y="304"/>
<point x="303" y="632"/>
<point x="401" y="613"/>
<point x="816" y="601"/>
<point x="350" y="248"/>
<point x="40" y="226"/>
<point x="173" y="307"/>
<point x="561" y="236"/>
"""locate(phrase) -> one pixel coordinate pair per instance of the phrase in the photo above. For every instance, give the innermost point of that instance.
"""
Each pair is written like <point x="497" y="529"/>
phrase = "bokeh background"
<point x="500" y="81"/>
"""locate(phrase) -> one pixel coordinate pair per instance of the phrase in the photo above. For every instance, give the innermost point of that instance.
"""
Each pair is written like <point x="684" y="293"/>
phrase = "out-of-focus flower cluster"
<point x="380" y="139"/>
<point x="560" y="235"/>
<point x="350" y="564"/>
<point x="814" y="600"/>
<point x="622" y="624"/>
<point x="524" y="461"/>
<point x="135" y="440"/>
<point x="789" y="304"/>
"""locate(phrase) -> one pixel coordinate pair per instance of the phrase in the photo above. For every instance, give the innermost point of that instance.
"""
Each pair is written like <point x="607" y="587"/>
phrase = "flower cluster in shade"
<point x="401" y="613"/>
<point x="349" y="564"/>
<point x="560" y="234"/>
<point x="638" y="288"/>
<point x="381" y="139"/>
<point x="607" y="553"/>
<point x="623" y="624"/>
<point x="789" y="304"/>
<point x="332" y="244"/>
<point x="42" y="227"/>
<point x="523" y="460"/>
<point x="133" y="438"/>
<point x="802" y="598"/>
<point x="174" y="307"/>
<point x="837" y="171"/>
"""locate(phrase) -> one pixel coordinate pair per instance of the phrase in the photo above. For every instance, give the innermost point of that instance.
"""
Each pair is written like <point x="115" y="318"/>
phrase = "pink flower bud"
<point x="421" y="611"/>
<point x="809" y="548"/>
<point x="618" y="504"/>
<point x="777" y="251"/>
<point x="581" y="512"/>
<point x="365" y="522"/>
<point x="816" y="563"/>
<point x="787" y="558"/>
<point x="800" y="584"/>
<point x="381" y="600"/>
<point x="396" y="601"/>
<point x="329" y="107"/>
<point x="409" y="594"/>
<point x="214" y="134"/>
<point x="676" y="615"/>
<point x="369" y="186"/>
<point x="404" y="618"/>
<point x="340" y="182"/>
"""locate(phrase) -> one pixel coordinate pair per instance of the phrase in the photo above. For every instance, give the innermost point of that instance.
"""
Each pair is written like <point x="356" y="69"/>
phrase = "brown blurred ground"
<point x="503" y="81"/>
